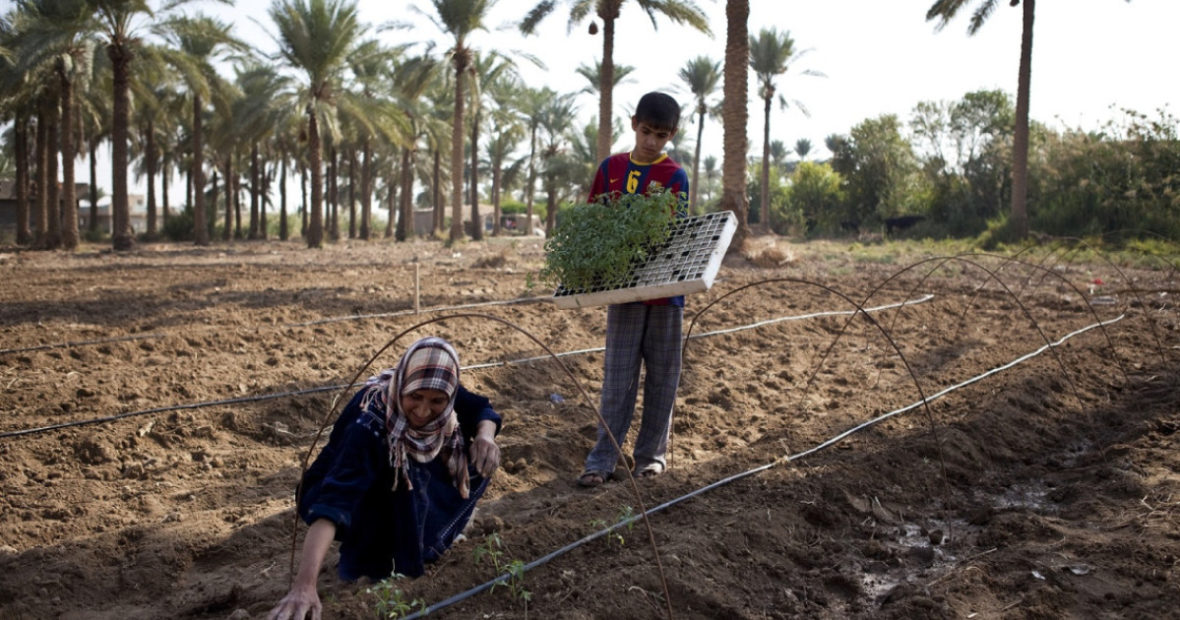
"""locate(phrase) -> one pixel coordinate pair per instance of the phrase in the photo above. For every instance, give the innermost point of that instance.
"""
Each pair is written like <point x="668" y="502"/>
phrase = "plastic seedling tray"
<point x="687" y="263"/>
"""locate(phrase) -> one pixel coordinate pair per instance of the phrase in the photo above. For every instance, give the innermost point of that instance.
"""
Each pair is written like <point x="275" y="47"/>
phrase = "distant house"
<point x="515" y="223"/>
<point x="510" y="223"/>
<point x="7" y="209"/>
<point x="424" y="220"/>
<point x="137" y="204"/>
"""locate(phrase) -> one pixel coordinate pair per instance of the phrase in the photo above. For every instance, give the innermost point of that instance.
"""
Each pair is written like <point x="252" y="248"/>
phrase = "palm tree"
<point x="36" y="94"/>
<point x="376" y="115"/>
<point x="679" y="11"/>
<point x="287" y="149"/>
<point x="802" y="148"/>
<point x="410" y="79"/>
<point x="506" y="132"/>
<point x="171" y="140"/>
<point x="95" y="126"/>
<point x="147" y="117"/>
<point x="17" y="103"/>
<point x="55" y="36"/>
<point x="771" y="54"/>
<point x="440" y="135"/>
<point x="944" y="11"/>
<point x="194" y="43"/>
<point x="702" y="75"/>
<point x="778" y="153"/>
<point x="554" y="121"/>
<point x="259" y="115"/>
<point x="593" y="75"/>
<point x="460" y="19"/>
<point x="488" y="71"/>
<point x="530" y="103"/>
<point x="710" y="176"/>
<point x="316" y="37"/>
<point x="734" y="117"/>
<point x="118" y="19"/>
<point x="582" y="145"/>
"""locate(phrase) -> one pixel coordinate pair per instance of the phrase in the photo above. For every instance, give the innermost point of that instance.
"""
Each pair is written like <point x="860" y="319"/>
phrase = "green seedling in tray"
<point x="598" y="245"/>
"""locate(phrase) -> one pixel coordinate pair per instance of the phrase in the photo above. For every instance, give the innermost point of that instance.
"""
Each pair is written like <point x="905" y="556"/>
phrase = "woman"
<point x="404" y="466"/>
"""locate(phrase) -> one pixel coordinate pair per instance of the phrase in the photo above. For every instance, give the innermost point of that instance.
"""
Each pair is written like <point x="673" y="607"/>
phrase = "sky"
<point x="876" y="56"/>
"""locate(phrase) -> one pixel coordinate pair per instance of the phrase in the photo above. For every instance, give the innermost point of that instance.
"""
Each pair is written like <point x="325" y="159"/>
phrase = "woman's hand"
<point x="485" y="454"/>
<point x="303" y="600"/>
<point x="297" y="604"/>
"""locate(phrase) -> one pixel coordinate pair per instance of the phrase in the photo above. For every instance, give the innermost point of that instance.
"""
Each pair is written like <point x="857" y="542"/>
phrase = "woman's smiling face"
<point x="423" y="406"/>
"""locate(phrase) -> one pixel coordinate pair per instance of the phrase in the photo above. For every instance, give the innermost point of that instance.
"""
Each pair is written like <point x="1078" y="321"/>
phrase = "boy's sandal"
<point x="649" y="471"/>
<point x="591" y="479"/>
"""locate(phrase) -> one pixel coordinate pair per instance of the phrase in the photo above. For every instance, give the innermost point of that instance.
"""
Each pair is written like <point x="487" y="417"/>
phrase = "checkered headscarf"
<point x="430" y="363"/>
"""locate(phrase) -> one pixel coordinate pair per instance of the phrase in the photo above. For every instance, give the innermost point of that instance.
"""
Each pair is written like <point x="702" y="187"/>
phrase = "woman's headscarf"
<point x="430" y="363"/>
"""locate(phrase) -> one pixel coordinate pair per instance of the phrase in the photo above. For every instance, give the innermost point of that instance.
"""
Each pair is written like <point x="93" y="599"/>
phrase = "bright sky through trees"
<point x="879" y="57"/>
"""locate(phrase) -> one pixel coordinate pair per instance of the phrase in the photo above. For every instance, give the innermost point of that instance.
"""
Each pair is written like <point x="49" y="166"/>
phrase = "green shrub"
<point x="179" y="226"/>
<point x="508" y="206"/>
<point x="597" y="245"/>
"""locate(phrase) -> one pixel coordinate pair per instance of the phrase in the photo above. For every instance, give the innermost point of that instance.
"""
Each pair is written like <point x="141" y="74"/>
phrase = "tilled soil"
<point x="157" y="407"/>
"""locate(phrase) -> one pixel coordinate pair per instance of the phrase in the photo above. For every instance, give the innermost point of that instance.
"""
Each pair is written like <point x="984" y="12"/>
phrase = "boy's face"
<point x="649" y="141"/>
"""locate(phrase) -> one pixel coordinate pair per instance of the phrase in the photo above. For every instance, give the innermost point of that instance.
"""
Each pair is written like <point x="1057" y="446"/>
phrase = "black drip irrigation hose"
<point x="327" y="388"/>
<point x="133" y="414"/>
<point x="82" y="343"/>
<point x="323" y="321"/>
<point x="761" y="468"/>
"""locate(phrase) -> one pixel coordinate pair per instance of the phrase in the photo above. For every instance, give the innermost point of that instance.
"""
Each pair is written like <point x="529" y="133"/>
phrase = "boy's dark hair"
<point x="658" y="110"/>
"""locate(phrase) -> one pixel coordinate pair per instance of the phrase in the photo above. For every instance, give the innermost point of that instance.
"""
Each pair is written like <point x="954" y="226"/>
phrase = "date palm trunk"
<point x="53" y="189"/>
<point x="92" y="224"/>
<point x="284" y="231"/>
<point x="69" y="193"/>
<point x="608" y="12"/>
<point x="352" y="175"/>
<point x="121" y="236"/>
<point x="41" y="181"/>
<point x="200" y="219"/>
<point x="734" y="118"/>
<point x="227" y="234"/>
<point x="1020" y="137"/>
<point x="315" y="223"/>
<point x="764" y="194"/>
<point x="255" y="184"/>
<point x="476" y="224"/>
<point x="149" y="157"/>
<point x="20" y="129"/>
<point x="462" y="60"/>
<point x="694" y="191"/>
<point x="405" y="223"/>
<point x="366" y="190"/>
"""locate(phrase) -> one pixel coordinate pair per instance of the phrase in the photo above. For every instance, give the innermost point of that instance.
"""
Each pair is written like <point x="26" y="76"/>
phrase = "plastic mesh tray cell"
<point x="687" y="263"/>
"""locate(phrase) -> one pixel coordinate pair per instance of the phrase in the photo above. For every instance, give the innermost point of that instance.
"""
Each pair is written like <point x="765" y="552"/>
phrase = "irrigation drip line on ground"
<point x="327" y="388"/>
<point x="181" y="407"/>
<point x="738" y="476"/>
<point x="730" y="330"/>
<point x="323" y="321"/>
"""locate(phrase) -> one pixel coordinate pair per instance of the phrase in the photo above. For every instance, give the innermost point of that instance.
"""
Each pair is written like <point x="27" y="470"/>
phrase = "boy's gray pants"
<point x="648" y="335"/>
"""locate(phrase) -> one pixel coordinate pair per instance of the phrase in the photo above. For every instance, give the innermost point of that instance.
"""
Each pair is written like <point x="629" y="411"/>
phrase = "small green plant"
<point x="597" y="245"/>
<point x="392" y="602"/>
<point x="490" y="549"/>
<point x="626" y="513"/>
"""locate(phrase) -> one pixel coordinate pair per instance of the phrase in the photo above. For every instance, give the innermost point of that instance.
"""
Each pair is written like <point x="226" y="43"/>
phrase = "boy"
<point x="646" y="332"/>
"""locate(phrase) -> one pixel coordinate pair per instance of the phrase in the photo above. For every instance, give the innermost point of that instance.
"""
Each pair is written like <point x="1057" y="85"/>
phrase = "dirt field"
<point x="1047" y="489"/>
